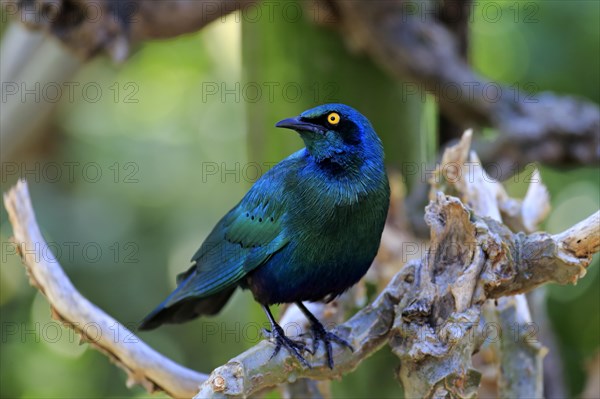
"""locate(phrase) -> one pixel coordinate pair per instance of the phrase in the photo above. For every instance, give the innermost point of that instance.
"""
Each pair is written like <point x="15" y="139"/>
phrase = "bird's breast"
<point x="334" y="227"/>
<point x="339" y="224"/>
<point x="328" y="204"/>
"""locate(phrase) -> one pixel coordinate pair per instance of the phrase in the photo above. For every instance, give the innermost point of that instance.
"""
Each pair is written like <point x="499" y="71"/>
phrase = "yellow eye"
<point x="333" y="118"/>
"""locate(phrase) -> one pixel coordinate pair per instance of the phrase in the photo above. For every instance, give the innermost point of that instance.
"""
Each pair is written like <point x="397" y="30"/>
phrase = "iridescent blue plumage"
<point x="306" y="231"/>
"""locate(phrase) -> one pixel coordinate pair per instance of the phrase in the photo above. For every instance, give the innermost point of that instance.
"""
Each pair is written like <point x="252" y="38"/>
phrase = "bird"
<point x="306" y="231"/>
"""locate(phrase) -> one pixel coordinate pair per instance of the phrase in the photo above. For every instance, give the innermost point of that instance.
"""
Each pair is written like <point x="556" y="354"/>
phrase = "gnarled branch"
<point x="474" y="257"/>
<point x="424" y="312"/>
<point x="516" y="356"/>
<point x="471" y="259"/>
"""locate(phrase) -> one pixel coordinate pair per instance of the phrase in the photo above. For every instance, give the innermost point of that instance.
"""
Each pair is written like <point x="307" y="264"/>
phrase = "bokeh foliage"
<point x="179" y="157"/>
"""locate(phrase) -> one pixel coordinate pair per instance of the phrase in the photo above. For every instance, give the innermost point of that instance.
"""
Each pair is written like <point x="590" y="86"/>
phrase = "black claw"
<point x="281" y="340"/>
<point x="321" y="334"/>
<point x="276" y="333"/>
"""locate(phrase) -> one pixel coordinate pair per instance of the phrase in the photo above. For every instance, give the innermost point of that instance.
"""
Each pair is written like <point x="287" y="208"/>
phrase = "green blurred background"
<point x="176" y="150"/>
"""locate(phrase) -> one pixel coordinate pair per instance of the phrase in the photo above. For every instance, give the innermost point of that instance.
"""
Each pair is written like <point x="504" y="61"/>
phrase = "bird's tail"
<point x="186" y="309"/>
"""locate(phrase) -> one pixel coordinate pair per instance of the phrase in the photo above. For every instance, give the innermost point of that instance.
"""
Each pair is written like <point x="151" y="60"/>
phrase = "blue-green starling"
<point x="307" y="230"/>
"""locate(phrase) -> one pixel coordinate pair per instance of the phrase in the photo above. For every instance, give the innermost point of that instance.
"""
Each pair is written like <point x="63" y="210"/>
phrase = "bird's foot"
<point x="281" y="340"/>
<point x="321" y="334"/>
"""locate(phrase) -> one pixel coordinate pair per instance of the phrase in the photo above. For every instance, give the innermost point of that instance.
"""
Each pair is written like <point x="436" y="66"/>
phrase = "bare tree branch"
<point x="473" y="259"/>
<point x="142" y="364"/>
<point x="89" y="27"/>
<point x="434" y="320"/>
<point x="413" y="42"/>
<point x="519" y="351"/>
<point x="407" y="42"/>
<point x="518" y="354"/>
<point x="432" y="307"/>
<point x="481" y="266"/>
<point x="462" y="174"/>
<point x="253" y="370"/>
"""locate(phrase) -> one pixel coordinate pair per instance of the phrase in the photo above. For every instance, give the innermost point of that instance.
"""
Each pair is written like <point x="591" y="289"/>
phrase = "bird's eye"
<point x="333" y="118"/>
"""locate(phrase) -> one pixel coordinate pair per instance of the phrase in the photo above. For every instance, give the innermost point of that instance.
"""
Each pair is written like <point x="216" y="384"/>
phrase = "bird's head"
<point x="336" y="133"/>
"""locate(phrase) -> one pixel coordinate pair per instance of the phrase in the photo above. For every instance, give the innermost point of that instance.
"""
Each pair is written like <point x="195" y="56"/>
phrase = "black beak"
<point x="299" y="125"/>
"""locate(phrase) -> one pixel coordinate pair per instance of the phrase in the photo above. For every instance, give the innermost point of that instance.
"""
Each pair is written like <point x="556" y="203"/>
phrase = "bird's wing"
<point x="243" y="240"/>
